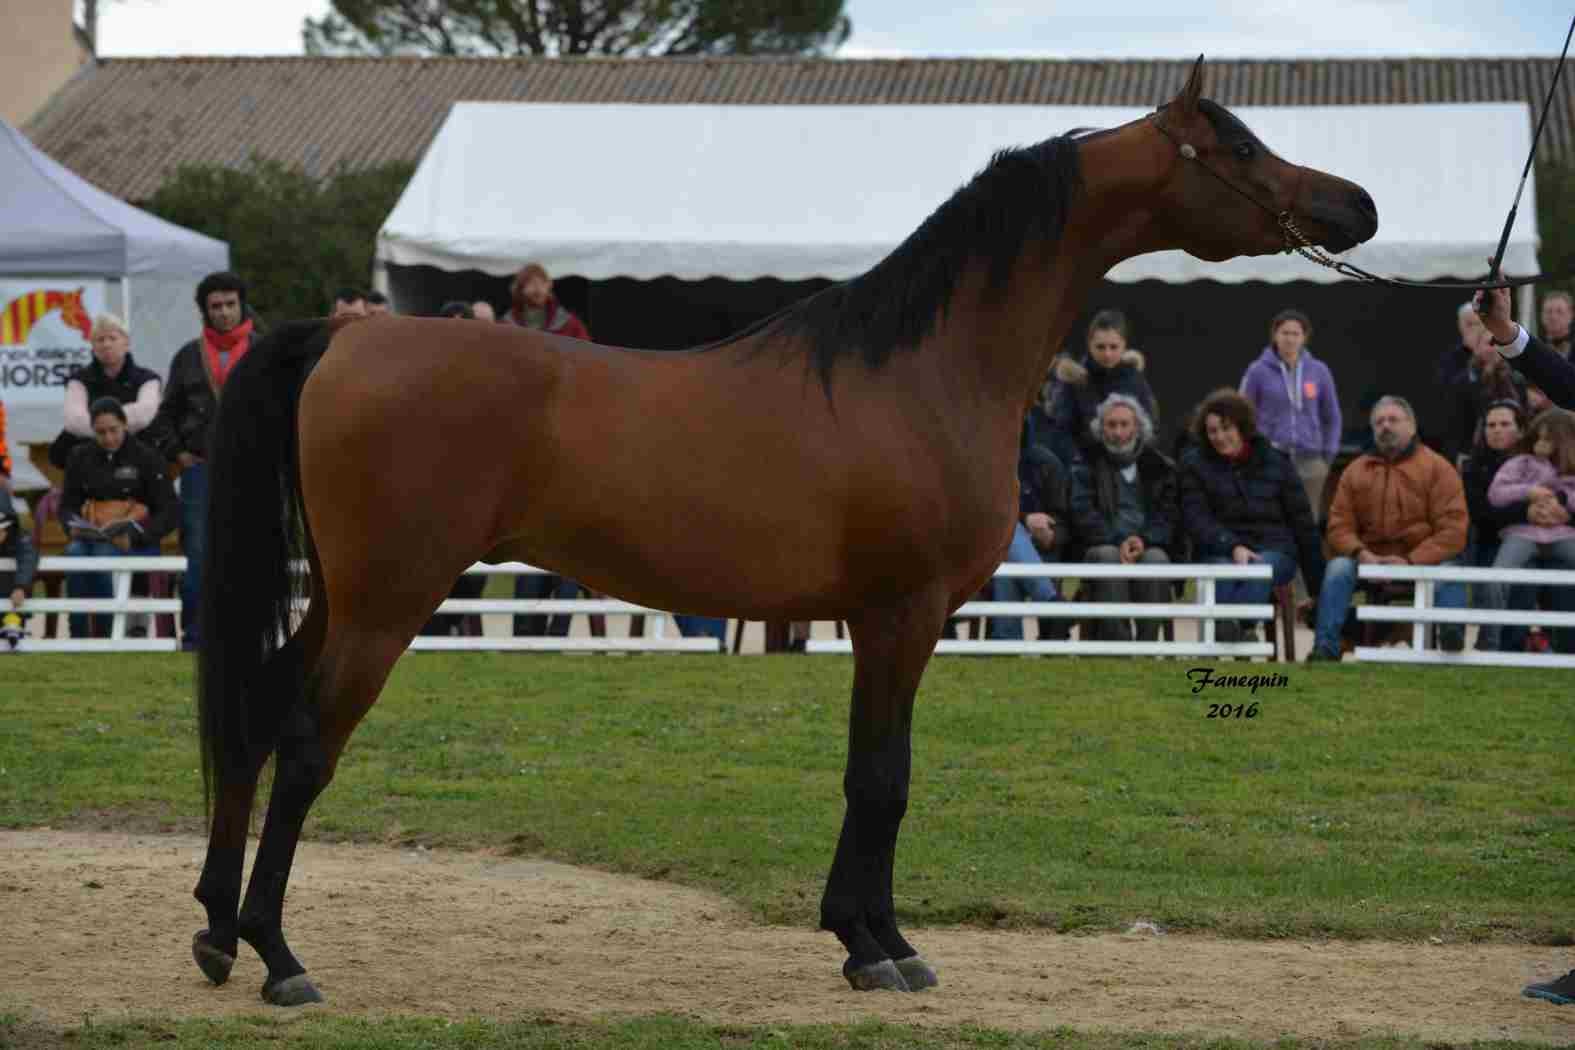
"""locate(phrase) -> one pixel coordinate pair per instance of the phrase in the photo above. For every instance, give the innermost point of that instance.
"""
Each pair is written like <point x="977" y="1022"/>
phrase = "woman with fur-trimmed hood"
<point x="1108" y="367"/>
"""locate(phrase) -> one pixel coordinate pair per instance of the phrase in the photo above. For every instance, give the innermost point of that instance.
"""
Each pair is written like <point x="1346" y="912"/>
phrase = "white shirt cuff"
<point x="1515" y="348"/>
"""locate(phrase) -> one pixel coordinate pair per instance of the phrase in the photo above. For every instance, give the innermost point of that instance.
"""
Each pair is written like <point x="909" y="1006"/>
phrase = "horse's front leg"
<point x="891" y="648"/>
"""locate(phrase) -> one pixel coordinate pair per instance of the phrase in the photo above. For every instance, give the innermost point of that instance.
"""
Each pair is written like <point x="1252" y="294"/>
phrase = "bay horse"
<point x="851" y="458"/>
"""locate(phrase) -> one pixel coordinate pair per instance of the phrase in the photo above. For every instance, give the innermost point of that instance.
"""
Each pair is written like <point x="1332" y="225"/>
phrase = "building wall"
<point x="39" y="52"/>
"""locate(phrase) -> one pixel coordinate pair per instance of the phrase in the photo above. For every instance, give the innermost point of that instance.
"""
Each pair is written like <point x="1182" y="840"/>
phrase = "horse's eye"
<point x="1244" y="151"/>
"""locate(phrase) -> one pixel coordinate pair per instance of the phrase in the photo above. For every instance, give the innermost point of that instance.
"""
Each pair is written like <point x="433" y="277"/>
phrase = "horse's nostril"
<point x="1365" y="203"/>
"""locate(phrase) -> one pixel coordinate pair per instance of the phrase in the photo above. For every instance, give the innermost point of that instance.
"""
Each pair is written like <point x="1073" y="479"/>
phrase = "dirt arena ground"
<point x="99" y="925"/>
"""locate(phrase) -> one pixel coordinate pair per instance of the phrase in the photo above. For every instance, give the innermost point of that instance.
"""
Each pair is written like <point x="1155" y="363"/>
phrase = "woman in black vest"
<point x="114" y="374"/>
<point x="117" y="501"/>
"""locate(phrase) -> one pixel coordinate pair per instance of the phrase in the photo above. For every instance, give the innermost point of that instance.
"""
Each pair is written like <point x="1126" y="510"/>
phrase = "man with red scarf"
<point x="181" y="429"/>
<point x="532" y="305"/>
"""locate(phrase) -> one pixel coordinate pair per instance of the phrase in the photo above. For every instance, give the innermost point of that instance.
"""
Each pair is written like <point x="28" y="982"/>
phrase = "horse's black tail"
<point x="255" y="531"/>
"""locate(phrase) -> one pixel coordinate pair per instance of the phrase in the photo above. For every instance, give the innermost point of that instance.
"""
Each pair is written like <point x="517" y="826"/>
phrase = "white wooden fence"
<point x="655" y="639"/>
<point x="1422" y="612"/>
<point x="1205" y="609"/>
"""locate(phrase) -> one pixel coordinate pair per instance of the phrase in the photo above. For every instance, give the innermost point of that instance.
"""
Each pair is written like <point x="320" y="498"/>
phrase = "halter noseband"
<point x="1295" y="239"/>
<point x="1298" y="242"/>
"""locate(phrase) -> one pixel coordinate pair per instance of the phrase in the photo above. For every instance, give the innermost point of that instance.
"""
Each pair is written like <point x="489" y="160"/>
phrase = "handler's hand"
<point x="1494" y="306"/>
<point x="1242" y="555"/>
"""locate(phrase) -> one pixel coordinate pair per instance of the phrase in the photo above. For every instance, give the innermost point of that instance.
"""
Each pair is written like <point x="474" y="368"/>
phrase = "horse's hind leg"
<point x="219" y="887"/>
<point x="891" y="649"/>
<point x="348" y="680"/>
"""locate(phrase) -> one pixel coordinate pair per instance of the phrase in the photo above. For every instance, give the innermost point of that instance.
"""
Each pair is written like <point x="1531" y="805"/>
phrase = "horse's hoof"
<point x="292" y="991"/>
<point x="918" y="973"/>
<point x="214" y="963"/>
<point x="876" y="976"/>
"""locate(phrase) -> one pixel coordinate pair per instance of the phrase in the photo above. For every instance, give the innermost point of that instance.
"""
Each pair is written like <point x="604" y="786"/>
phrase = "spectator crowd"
<point x="1257" y="475"/>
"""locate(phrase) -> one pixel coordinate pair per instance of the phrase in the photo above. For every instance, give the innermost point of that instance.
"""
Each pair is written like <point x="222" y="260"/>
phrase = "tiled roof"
<point x="126" y="124"/>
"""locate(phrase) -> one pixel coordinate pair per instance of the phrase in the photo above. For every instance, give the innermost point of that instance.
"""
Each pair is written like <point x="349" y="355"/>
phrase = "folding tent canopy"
<point x="796" y="192"/>
<point x="59" y="234"/>
<point x="677" y="225"/>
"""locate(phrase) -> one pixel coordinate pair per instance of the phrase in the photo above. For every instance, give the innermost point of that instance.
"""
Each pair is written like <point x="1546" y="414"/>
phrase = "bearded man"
<point x="1124" y="509"/>
<point x="1401" y="504"/>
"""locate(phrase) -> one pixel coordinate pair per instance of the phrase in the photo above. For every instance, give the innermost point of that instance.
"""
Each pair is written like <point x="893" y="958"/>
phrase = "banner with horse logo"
<point x="45" y="325"/>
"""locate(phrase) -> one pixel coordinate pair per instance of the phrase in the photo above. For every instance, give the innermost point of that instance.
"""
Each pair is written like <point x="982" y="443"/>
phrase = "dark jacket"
<point x="1486" y="519"/>
<point x="1082" y="386"/>
<point x="17" y="544"/>
<point x="1546" y="370"/>
<point x="186" y="413"/>
<point x="1095" y="493"/>
<point x="1469" y="393"/>
<point x="133" y="471"/>
<point x="1043" y="485"/>
<point x="1260" y="504"/>
<point x="123" y="388"/>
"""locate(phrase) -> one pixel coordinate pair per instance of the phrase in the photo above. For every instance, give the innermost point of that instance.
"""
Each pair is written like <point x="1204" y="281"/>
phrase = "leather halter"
<point x="1298" y="242"/>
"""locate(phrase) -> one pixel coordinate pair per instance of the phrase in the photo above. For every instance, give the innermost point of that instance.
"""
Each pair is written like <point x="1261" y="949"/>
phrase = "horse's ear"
<point x="1187" y="101"/>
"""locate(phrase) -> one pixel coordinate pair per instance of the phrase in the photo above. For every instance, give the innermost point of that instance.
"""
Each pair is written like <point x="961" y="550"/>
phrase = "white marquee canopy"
<point x="797" y="192"/>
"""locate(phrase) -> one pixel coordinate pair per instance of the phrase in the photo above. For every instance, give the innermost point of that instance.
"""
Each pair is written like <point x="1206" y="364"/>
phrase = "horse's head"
<point x="74" y="315"/>
<point x="1227" y="194"/>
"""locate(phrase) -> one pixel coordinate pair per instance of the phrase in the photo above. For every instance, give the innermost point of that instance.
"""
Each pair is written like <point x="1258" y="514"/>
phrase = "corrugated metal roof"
<point x="127" y="124"/>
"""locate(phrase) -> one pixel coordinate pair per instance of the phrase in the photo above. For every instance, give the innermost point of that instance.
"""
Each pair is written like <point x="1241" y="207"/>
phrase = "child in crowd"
<point x="1544" y="470"/>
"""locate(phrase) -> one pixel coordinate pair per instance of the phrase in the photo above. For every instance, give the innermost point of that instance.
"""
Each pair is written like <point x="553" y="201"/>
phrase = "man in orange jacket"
<point x="1401" y="504"/>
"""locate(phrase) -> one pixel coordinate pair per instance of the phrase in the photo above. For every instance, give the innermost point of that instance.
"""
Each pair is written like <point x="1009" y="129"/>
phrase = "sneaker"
<point x="11" y="630"/>
<point x="1561" y="991"/>
<point x="1322" y="655"/>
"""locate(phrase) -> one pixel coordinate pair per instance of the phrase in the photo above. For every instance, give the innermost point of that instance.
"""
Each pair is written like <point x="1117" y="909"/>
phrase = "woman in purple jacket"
<point x="1294" y="397"/>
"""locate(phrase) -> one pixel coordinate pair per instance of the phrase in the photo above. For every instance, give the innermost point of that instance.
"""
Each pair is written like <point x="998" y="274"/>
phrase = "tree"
<point x="577" y="27"/>
<point x="1555" y="222"/>
<point x="293" y="237"/>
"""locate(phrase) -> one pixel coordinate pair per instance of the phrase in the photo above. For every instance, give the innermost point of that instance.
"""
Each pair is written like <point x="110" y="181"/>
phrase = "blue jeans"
<point x="1496" y="637"/>
<point x="1254" y="592"/>
<point x="1515" y="552"/>
<point x="95" y="584"/>
<point x="541" y="587"/>
<point x="1018" y="588"/>
<point x="703" y="627"/>
<point x="193" y="544"/>
<point x="1339" y="583"/>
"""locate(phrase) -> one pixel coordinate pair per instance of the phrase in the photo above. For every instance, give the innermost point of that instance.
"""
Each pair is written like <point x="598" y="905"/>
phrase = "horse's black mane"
<point x="1022" y="196"/>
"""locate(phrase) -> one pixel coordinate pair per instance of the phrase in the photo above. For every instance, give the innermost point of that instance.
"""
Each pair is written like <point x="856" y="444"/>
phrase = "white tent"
<point x="60" y="235"/>
<point x="796" y="192"/>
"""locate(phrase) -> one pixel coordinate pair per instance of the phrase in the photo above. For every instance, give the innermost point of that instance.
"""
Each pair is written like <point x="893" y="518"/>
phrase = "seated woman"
<point x="1108" y="367"/>
<point x="1543" y="475"/>
<point x="117" y="500"/>
<point x="1497" y="436"/>
<point x="1243" y="501"/>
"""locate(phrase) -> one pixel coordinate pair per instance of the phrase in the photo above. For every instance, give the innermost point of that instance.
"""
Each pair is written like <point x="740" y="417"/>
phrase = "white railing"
<point x="1205" y="610"/>
<point x="121" y="604"/>
<point x="1422" y="612"/>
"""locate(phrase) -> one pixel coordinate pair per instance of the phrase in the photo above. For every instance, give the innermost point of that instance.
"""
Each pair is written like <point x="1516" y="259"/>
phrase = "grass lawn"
<point x="667" y="1033"/>
<point x="1360" y="801"/>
